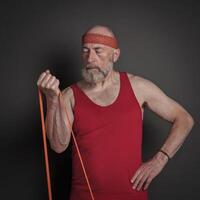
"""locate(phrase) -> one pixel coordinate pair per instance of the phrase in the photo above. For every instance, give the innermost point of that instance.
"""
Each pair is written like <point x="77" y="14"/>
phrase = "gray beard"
<point x="97" y="75"/>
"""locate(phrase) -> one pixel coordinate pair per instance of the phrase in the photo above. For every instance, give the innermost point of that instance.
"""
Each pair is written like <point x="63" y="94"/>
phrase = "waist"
<point x="105" y="176"/>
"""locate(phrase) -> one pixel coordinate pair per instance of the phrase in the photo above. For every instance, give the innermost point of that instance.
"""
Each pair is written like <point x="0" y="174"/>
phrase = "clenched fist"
<point x="49" y="85"/>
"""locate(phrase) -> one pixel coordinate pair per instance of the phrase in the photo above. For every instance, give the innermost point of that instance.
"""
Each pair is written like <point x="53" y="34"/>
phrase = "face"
<point x="98" y="61"/>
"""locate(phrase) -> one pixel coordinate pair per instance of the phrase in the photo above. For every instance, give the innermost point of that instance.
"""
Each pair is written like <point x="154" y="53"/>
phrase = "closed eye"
<point x="85" y="50"/>
<point x="98" y="50"/>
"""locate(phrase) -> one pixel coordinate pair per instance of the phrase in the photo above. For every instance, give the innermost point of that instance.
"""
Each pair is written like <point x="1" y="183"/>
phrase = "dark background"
<point x="159" y="40"/>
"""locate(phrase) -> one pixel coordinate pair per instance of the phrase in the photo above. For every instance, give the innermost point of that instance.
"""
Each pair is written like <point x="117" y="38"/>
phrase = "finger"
<point x="137" y="180"/>
<point x="41" y="77"/>
<point x="45" y="80"/>
<point x="148" y="181"/>
<point x="142" y="180"/>
<point x="50" y="82"/>
<point x="55" y="85"/>
<point x="135" y="175"/>
<point x="47" y="71"/>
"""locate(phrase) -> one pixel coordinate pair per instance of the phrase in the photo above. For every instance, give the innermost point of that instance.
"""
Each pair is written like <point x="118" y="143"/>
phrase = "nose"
<point x="91" y="56"/>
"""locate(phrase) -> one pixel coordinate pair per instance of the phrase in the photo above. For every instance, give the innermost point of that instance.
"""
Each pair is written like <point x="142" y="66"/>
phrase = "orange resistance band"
<point x="100" y="39"/>
<point x="46" y="151"/>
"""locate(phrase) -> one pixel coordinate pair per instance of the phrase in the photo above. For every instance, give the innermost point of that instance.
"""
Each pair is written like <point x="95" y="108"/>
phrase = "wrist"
<point x="161" y="157"/>
<point x="165" y="153"/>
<point x="52" y="101"/>
<point x="53" y="97"/>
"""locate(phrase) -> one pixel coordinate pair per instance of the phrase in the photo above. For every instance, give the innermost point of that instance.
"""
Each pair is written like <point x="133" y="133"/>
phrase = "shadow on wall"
<point x="155" y="131"/>
<point x="64" y="62"/>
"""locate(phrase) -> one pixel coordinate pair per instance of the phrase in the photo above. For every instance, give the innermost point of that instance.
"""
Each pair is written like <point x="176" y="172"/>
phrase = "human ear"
<point x="116" y="55"/>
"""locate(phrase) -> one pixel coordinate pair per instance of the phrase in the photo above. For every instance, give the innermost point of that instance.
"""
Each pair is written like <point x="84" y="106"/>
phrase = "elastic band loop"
<point x="46" y="151"/>
<point x="45" y="145"/>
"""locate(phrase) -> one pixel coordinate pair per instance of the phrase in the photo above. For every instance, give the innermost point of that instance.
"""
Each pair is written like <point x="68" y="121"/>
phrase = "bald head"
<point x="99" y="29"/>
<point x="99" y="52"/>
<point x="99" y="34"/>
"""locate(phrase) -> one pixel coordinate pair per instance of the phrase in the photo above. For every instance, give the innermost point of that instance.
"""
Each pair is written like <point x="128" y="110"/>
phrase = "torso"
<point x="107" y="137"/>
<point x="109" y="95"/>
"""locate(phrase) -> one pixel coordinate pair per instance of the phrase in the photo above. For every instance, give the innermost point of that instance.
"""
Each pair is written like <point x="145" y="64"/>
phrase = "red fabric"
<point x="110" y="142"/>
<point x="100" y="39"/>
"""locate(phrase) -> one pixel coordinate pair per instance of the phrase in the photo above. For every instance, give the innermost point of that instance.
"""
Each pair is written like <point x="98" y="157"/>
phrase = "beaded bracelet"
<point x="165" y="154"/>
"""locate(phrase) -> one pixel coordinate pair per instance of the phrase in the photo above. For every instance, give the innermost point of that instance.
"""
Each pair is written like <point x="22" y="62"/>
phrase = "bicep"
<point x="66" y="96"/>
<point x="158" y="101"/>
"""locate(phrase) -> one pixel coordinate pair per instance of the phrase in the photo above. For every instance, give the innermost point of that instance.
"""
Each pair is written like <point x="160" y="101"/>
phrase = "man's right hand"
<point x="49" y="85"/>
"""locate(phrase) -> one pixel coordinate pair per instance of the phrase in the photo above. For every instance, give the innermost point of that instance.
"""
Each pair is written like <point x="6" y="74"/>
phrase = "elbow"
<point x="185" y="119"/>
<point x="188" y="120"/>
<point x="58" y="149"/>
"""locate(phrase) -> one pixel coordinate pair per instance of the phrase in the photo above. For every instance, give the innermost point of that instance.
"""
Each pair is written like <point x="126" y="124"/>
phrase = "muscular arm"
<point x="56" y="122"/>
<point x="164" y="106"/>
<point x="182" y="122"/>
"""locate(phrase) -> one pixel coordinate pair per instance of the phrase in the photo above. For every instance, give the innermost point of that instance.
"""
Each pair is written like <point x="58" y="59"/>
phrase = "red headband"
<point x="100" y="39"/>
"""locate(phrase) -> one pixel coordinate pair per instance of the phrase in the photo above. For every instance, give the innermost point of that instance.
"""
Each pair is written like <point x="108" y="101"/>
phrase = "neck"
<point x="110" y="78"/>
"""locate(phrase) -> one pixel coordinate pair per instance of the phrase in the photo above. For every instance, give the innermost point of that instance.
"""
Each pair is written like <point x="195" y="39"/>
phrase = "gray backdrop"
<point x="159" y="40"/>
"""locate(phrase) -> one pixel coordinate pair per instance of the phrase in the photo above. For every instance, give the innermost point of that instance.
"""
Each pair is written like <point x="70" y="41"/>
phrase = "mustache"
<point x="92" y="66"/>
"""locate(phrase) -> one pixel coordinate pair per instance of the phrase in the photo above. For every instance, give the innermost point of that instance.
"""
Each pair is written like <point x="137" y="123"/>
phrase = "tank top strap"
<point x="79" y="95"/>
<point x="125" y="85"/>
<point x="73" y="87"/>
<point x="128" y="91"/>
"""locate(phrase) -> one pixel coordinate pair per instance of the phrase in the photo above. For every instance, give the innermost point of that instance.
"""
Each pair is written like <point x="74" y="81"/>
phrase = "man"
<point x="106" y="109"/>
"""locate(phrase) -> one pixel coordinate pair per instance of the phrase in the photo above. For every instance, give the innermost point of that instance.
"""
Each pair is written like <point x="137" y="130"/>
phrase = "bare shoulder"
<point x="139" y="81"/>
<point x="151" y="91"/>
<point x="68" y="95"/>
<point x="146" y="89"/>
<point x="143" y="85"/>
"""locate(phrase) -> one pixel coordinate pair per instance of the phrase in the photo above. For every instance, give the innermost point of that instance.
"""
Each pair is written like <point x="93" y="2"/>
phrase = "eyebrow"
<point x="96" y="48"/>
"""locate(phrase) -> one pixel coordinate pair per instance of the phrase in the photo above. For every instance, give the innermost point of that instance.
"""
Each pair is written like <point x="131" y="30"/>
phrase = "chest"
<point x="104" y="97"/>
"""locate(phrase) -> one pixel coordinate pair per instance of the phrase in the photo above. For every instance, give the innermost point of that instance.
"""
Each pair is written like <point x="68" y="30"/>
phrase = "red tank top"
<point x="110" y="142"/>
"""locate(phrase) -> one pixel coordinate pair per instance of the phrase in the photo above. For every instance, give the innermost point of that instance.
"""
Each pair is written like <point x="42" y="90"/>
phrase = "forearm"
<point x="177" y="135"/>
<point x="49" y="120"/>
<point x="57" y="131"/>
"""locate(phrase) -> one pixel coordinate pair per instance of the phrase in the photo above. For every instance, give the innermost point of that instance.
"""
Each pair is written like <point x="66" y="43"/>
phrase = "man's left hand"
<point x="148" y="171"/>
